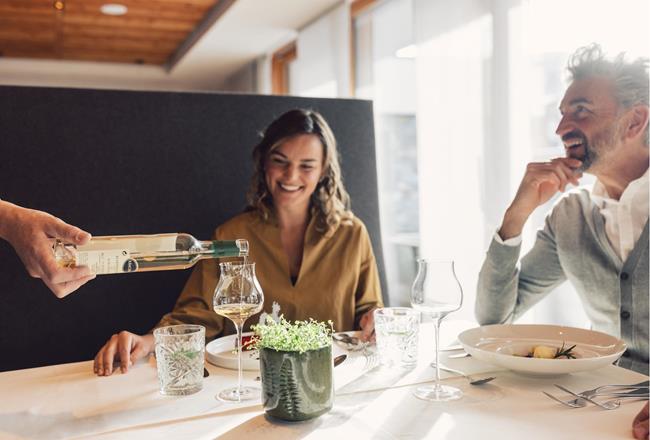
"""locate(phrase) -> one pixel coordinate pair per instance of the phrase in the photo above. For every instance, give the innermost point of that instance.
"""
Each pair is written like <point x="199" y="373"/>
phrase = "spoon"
<point x="338" y="360"/>
<point x="470" y="379"/>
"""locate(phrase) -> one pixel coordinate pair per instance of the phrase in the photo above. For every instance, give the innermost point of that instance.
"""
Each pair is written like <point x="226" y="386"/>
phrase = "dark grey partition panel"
<point x="122" y="162"/>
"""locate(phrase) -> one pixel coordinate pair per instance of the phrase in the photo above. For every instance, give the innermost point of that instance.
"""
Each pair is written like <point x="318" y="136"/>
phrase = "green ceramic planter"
<point x="296" y="386"/>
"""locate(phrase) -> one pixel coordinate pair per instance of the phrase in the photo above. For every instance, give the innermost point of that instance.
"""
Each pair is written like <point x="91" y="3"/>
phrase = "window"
<point x="385" y="73"/>
<point x="465" y="95"/>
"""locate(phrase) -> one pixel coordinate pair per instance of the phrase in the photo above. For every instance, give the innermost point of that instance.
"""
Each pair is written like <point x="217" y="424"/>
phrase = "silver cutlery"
<point x="452" y="348"/>
<point x="458" y="355"/>
<point x="618" y="393"/>
<point x="609" y="405"/>
<point x="472" y="380"/>
<point x="610" y="388"/>
<point x="351" y="343"/>
<point x="568" y="403"/>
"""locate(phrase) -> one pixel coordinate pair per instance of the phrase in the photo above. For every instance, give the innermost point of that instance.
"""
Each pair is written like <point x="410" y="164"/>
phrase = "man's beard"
<point x="587" y="155"/>
<point x="591" y="151"/>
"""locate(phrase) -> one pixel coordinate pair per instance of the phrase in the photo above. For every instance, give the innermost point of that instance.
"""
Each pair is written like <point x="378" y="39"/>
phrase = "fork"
<point x="581" y="402"/>
<point x="610" y="404"/>
<point x="595" y="391"/>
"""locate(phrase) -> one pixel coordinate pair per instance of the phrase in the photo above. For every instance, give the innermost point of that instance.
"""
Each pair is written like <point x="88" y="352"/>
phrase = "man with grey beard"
<point x="598" y="239"/>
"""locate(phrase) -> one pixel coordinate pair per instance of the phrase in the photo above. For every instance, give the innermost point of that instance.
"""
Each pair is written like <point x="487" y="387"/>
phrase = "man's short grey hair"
<point x="630" y="77"/>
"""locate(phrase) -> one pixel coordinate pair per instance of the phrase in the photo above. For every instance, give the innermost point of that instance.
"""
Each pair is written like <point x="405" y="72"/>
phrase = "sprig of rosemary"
<point x="562" y="352"/>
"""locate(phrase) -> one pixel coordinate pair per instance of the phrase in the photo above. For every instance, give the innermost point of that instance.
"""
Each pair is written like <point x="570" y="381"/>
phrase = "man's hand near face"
<point x="541" y="181"/>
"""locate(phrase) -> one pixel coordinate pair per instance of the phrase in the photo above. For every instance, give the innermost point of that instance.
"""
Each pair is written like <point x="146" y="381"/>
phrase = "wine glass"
<point x="437" y="292"/>
<point x="238" y="296"/>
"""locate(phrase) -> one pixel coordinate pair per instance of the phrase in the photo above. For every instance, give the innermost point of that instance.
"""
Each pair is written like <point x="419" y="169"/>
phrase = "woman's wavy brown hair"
<point x="330" y="202"/>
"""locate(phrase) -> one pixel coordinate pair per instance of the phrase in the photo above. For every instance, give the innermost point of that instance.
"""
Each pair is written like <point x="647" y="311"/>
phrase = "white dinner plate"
<point x="507" y="345"/>
<point x="222" y="353"/>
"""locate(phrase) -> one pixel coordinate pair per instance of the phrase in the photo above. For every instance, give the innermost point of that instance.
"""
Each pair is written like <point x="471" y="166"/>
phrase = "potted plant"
<point x="296" y="368"/>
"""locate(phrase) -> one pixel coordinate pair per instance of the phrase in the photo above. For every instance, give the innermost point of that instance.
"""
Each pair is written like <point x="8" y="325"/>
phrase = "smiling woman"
<point x="293" y="171"/>
<point x="314" y="257"/>
<point x="308" y="139"/>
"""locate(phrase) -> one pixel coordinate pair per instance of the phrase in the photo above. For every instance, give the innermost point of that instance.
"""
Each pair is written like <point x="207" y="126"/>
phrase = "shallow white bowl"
<point x="499" y="345"/>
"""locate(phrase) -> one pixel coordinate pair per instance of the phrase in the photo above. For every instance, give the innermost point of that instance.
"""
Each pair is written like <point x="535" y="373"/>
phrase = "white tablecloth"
<point x="69" y="401"/>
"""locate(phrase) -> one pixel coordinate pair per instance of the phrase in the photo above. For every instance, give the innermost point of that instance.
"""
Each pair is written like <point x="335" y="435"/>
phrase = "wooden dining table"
<point x="372" y="401"/>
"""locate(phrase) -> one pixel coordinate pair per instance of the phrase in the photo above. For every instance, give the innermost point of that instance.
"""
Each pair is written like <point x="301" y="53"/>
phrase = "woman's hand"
<point x="640" y="424"/>
<point x="367" y="324"/>
<point x="125" y="346"/>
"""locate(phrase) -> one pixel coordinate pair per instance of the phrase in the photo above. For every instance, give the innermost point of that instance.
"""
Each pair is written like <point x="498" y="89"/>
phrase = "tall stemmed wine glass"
<point x="437" y="292"/>
<point x="237" y="297"/>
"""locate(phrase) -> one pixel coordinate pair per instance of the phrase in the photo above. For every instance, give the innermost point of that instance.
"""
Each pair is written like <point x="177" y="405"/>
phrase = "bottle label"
<point x="104" y="255"/>
<point x="107" y="261"/>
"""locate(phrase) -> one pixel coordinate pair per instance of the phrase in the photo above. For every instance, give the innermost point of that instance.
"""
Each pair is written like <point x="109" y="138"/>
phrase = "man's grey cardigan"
<point x="573" y="245"/>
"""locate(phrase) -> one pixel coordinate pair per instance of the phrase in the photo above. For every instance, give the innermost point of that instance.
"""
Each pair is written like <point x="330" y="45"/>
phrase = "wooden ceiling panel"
<point x="179" y="11"/>
<point x="26" y="8"/>
<point x="119" y="45"/>
<point x="118" y="23"/>
<point x="71" y="30"/>
<point x="151" y="32"/>
<point x="113" y="56"/>
<point x="26" y="33"/>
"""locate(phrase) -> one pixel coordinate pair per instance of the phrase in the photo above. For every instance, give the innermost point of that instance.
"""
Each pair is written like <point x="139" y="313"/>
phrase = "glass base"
<point x="175" y="391"/>
<point x="239" y="395"/>
<point x="438" y="393"/>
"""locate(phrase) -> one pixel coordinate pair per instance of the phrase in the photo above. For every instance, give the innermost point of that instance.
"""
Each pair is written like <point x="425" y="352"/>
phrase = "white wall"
<point x="242" y="81"/>
<point x="322" y="67"/>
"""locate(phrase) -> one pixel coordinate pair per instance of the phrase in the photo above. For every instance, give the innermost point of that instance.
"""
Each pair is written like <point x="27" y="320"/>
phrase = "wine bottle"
<point x="141" y="253"/>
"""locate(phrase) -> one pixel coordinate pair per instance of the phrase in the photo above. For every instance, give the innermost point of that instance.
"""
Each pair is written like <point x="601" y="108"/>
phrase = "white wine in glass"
<point x="436" y="292"/>
<point x="237" y="297"/>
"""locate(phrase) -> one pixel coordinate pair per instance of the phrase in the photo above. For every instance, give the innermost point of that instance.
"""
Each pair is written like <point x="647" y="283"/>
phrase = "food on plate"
<point x="546" y="352"/>
<point x="247" y="343"/>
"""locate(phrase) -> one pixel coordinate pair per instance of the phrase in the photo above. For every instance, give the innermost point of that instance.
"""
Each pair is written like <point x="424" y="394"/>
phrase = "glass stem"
<point x="436" y="327"/>
<point x="238" y="327"/>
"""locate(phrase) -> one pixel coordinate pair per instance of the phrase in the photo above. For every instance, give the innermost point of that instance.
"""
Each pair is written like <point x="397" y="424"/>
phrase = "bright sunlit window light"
<point x="410" y="51"/>
<point x="113" y="9"/>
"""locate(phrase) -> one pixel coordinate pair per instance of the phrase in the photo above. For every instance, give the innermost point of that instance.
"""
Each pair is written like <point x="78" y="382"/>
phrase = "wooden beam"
<point x="280" y="68"/>
<point x="215" y="13"/>
<point x="358" y="7"/>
